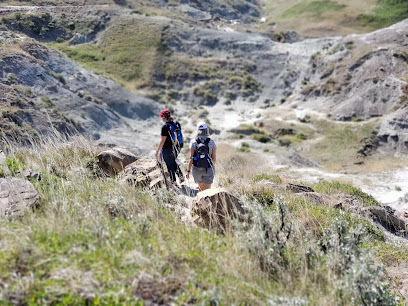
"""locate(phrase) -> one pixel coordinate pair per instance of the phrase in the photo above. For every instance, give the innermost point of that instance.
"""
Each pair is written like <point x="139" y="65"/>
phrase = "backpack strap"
<point x="207" y="141"/>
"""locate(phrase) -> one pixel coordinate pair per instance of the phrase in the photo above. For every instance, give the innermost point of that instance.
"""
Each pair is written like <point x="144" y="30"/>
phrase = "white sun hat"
<point x="202" y="126"/>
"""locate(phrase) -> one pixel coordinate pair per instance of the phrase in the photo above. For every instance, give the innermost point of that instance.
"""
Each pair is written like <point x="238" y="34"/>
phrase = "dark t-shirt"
<point x="166" y="131"/>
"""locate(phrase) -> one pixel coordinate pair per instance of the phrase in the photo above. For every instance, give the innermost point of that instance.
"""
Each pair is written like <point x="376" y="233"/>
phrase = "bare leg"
<point x="203" y="186"/>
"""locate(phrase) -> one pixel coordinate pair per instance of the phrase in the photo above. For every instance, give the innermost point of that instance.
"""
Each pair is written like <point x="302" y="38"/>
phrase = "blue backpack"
<point x="175" y="130"/>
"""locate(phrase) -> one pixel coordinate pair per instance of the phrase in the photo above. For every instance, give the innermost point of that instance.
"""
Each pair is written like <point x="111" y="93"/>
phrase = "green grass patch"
<point x="313" y="9"/>
<point x="127" y="51"/>
<point x="387" y="13"/>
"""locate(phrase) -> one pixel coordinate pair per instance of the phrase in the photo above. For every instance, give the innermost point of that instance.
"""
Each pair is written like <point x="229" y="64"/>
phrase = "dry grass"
<point x="235" y="169"/>
<point x="95" y="240"/>
<point x="380" y="163"/>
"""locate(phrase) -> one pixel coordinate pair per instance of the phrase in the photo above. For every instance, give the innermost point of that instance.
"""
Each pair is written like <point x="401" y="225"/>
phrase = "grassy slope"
<point x="96" y="241"/>
<point x="322" y="18"/>
<point x="126" y="52"/>
<point x="386" y="13"/>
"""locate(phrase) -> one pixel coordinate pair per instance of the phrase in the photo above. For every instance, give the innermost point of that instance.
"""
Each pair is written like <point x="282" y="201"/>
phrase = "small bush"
<point x="244" y="147"/>
<point x="262" y="138"/>
<point x="47" y="102"/>
<point x="14" y="164"/>
<point x="301" y="136"/>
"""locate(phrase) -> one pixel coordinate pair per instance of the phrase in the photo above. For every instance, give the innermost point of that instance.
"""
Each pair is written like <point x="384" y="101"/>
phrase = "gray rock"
<point x="114" y="160"/>
<point x="215" y="208"/>
<point x="145" y="173"/>
<point x="17" y="196"/>
<point x="393" y="131"/>
<point x="390" y="219"/>
<point x="3" y="157"/>
<point x="79" y="38"/>
<point x="301" y="161"/>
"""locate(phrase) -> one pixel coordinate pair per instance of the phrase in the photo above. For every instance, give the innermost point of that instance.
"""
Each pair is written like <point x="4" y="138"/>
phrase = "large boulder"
<point x="145" y="173"/>
<point x="215" y="208"/>
<point x="391" y="218"/>
<point x="114" y="160"/>
<point x="17" y="196"/>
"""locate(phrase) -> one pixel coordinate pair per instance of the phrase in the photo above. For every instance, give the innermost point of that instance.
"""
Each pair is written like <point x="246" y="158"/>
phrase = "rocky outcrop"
<point x="393" y="132"/>
<point x="215" y="208"/>
<point x="391" y="219"/>
<point x="45" y="92"/>
<point x="115" y="160"/>
<point x="145" y="173"/>
<point x="243" y="10"/>
<point x="17" y="196"/>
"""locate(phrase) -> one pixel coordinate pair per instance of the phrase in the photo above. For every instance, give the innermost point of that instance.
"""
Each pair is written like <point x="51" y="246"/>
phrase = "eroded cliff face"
<point x="44" y="92"/>
<point x="206" y="61"/>
<point x="352" y="78"/>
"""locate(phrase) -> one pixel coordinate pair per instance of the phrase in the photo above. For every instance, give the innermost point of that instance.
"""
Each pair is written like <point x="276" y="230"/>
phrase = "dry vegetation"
<point x="97" y="241"/>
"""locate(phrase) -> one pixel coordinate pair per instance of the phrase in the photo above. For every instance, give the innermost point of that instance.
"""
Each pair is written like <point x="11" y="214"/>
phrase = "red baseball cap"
<point x="165" y="113"/>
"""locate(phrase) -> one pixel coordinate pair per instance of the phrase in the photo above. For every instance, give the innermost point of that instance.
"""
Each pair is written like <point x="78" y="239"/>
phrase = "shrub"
<point x="47" y="102"/>
<point x="14" y="164"/>
<point x="261" y="138"/>
<point x="301" y="136"/>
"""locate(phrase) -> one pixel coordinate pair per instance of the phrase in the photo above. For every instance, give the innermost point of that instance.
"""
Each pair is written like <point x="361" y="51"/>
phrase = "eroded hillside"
<point x="283" y="109"/>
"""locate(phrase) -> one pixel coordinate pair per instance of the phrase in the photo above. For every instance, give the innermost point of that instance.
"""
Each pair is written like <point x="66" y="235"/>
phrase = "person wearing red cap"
<point x="168" y="147"/>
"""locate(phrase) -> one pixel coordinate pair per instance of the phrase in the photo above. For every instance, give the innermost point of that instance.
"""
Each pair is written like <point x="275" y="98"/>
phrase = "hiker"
<point x="202" y="158"/>
<point x="170" y="145"/>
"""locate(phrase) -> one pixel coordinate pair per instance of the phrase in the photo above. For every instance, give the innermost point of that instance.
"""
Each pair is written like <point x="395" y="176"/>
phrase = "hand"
<point x="157" y="154"/>
<point x="188" y="175"/>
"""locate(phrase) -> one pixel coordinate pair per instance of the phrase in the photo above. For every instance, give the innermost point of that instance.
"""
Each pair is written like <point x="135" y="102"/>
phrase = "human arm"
<point x="214" y="156"/>
<point x="190" y="163"/>
<point x="163" y="140"/>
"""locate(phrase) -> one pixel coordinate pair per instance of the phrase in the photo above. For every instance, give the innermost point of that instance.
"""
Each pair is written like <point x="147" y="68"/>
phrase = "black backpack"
<point x="201" y="158"/>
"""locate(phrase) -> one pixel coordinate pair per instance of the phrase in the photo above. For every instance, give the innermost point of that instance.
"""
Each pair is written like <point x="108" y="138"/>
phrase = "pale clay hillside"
<point x="306" y="101"/>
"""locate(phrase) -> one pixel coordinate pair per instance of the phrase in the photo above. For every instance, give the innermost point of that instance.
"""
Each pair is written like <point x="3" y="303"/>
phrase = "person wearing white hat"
<point x="202" y="158"/>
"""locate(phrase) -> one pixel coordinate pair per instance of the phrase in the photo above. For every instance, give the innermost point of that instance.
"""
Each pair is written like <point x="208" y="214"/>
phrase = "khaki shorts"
<point x="202" y="175"/>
